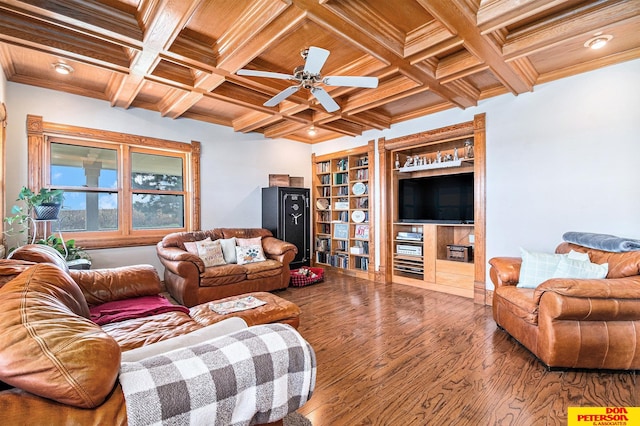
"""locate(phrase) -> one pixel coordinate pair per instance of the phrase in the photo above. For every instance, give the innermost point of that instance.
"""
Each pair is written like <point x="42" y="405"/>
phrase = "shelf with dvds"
<point x="341" y="200"/>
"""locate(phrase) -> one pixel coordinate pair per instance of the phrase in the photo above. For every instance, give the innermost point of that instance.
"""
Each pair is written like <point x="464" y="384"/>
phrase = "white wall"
<point x="562" y="158"/>
<point x="235" y="166"/>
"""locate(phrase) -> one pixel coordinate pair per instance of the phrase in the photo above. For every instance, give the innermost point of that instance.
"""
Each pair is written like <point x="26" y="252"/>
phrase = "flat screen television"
<point x="440" y="199"/>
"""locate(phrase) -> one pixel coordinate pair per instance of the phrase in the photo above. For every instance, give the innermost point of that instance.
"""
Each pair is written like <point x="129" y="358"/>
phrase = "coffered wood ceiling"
<point x="179" y="57"/>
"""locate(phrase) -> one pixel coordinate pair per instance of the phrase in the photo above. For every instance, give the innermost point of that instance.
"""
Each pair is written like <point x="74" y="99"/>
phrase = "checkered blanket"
<point x="255" y="375"/>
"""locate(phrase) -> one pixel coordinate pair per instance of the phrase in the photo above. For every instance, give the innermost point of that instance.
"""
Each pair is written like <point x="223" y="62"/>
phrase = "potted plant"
<point x="43" y="205"/>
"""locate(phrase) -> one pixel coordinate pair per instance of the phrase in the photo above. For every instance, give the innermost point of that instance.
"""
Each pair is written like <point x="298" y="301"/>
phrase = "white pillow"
<point x="576" y="255"/>
<point x="537" y="268"/>
<point x="229" y="249"/>
<point x="250" y="254"/>
<point x="569" y="268"/>
<point x="210" y="252"/>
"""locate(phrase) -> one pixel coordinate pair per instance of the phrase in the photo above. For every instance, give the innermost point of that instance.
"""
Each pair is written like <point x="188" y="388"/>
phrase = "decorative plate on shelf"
<point x="322" y="204"/>
<point x="357" y="216"/>
<point x="359" y="188"/>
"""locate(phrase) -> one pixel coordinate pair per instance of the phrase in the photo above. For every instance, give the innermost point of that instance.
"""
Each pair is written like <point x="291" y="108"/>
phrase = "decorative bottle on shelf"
<point x="468" y="148"/>
<point x="397" y="161"/>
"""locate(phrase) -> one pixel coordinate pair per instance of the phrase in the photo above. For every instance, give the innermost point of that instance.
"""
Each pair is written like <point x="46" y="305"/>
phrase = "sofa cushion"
<point x="249" y="254"/>
<point x="268" y="268"/>
<point x="519" y="301"/>
<point x="49" y="346"/>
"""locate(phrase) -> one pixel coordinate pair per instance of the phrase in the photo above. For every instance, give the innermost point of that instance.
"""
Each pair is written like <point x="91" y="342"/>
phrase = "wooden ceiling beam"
<point x="453" y="15"/>
<point x="322" y="14"/>
<point x="345" y="127"/>
<point x="254" y="120"/>
<point x="458" y="66"/>
<point x="165" y="20"/>
<point x="388" y="89"/>
<point x="283" y="24"/>
<point x="495" y="14"/>
<point x="34" y="33"/>
<point x="578" y="22"/>
<point x="283" y="128"/>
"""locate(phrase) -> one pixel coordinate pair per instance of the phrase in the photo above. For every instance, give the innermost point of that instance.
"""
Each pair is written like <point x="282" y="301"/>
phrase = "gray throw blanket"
<point x="255" y="375"/>
<point x="602" y="242"/>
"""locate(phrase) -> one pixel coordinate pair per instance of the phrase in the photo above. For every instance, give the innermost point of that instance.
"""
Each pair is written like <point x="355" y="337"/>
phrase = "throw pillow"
<point x="537" y="268"/>
<point x="210" y="252"/>
<point x="569" y="268"/>
<point x="246" y="242"/>
<point x="229" y="249"/>
<point x="576" y="255"/>
<point x="191" y="247"/>
<point x="250" y="254"/>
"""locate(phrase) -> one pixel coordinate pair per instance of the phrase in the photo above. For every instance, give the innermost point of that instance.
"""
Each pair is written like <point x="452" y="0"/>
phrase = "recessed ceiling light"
<point x="312" y="131"/>
<point x="62" y="68"/>
<point x="598" y="41"/>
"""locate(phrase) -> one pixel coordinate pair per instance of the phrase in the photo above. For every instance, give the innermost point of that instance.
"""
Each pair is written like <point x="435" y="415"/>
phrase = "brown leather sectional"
<point x="574" y="323"/>
<point x="57" y="366"/>
<point x="190" y="283"/>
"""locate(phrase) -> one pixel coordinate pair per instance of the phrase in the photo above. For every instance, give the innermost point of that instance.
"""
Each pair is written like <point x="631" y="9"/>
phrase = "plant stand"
<point x="34" y="224"/>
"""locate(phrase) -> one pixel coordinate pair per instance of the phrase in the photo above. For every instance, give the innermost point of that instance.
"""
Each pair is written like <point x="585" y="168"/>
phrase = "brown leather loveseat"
<point x="58" y="367"/>
<point x="574" y="323"/>
<point x="191" y="283"/>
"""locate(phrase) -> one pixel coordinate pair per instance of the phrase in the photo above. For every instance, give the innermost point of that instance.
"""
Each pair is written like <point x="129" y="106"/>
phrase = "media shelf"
<point x="342" y="218"/>
<point x="420" y="257"/>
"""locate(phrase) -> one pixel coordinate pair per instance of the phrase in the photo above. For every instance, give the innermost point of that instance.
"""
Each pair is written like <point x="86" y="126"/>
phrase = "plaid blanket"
<point x="255" y="375"/>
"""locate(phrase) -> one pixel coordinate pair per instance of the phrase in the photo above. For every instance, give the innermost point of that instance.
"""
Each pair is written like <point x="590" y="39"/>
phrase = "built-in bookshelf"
<point x="342" y="222"/>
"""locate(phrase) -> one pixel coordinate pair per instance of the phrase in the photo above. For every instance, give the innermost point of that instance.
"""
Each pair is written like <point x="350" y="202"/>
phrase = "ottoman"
<point x="276" y="309"/>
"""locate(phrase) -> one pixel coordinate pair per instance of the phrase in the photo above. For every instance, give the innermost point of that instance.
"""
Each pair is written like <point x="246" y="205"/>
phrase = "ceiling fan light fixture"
<point x="312" y="131"/>
<point x="598" y="41"/>
<point x="62" y="68"/>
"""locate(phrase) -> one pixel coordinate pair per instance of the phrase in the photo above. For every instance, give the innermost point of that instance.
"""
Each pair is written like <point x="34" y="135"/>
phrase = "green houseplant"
<point x="43" y="205"/>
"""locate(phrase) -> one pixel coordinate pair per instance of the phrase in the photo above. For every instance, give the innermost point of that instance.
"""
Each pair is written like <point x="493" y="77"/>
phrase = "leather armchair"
<point x="574" y="323"/>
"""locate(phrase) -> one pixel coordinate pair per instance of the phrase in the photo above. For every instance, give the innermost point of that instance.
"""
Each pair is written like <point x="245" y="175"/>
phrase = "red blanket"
<point x="136" y="307"/>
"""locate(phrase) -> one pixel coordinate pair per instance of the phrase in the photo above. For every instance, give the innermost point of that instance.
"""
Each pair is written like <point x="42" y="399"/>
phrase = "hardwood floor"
<point x="398" y="355"/>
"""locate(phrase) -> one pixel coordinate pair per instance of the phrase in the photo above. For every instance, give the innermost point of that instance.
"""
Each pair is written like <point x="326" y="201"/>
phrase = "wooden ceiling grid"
<point x="179" y="57"/>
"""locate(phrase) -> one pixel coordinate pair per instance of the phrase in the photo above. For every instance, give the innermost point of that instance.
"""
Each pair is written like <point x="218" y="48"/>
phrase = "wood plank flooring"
<point x="398" y="355"/>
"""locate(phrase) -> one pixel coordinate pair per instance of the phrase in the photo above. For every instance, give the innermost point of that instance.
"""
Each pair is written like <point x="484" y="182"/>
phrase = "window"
<point x="120" y="190"/>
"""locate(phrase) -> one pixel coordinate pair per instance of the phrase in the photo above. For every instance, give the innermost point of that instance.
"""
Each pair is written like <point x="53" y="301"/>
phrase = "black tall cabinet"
<point x="285" y="212"/>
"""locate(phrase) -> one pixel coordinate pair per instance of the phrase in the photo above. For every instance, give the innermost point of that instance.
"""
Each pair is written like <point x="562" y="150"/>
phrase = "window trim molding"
<point x="37" y="133"/>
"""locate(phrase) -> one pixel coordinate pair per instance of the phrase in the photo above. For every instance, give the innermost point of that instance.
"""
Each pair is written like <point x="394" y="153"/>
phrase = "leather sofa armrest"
<point x="105" y="285"/>
<point x="172" y="258"/>
<point x="605" y="288"/>
<point x="588" y="300"/>
<point x="279" y="250"/>
<point x="505" y="270"/>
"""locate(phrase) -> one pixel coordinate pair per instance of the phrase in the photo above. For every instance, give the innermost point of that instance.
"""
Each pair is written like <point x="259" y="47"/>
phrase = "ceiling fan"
<point x="308" y="77"/>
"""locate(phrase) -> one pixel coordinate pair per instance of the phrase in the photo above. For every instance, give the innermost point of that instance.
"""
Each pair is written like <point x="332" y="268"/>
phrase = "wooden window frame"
<point x="40" y="134"/>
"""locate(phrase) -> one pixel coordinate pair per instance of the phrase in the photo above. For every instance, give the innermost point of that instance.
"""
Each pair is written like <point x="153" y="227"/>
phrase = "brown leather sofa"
<point x="190" y="283"/>
<point x="574" y="323"/>
<point x="57" y="366"/>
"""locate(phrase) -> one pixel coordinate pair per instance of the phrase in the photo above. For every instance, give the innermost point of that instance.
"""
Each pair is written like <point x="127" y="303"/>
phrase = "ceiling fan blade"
<point x="254" y="73"/>
<point x="351" y="81"/>
<point x="281" y="96"/>
<point x="325" y="99"/>
<point x="315" y="60"/>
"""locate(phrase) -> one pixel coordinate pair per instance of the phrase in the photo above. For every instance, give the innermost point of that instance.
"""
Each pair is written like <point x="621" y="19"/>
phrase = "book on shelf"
<point x="362" y="232"/>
